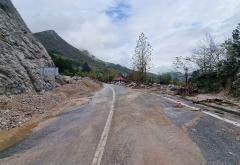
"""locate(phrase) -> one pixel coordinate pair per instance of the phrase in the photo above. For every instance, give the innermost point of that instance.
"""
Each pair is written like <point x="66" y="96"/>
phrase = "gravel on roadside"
<point x="18" y="109"/>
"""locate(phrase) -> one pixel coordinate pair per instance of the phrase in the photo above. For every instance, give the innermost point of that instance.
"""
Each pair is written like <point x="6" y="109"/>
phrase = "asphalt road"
<point x="129" y="127"/>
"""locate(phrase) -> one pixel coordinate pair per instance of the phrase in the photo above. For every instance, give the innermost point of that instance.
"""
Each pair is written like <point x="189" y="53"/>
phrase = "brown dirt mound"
<point x="18" y="109"/>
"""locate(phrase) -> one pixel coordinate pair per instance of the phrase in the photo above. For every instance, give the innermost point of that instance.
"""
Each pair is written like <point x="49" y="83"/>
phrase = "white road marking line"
<point x="183" y="104"/>
<point x="205" y="112"/>
<point x="102" y="143"/>
<point x="223" y="119"/>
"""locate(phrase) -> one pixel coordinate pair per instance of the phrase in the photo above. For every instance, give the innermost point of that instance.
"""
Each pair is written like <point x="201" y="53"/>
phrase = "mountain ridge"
<point x="56" y="44"/>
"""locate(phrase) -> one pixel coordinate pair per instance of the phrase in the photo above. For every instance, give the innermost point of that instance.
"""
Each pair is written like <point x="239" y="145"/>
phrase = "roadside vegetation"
<point x="212" y="67"/>
<point x="69" y="67"/>
<point x="216" y="66"/>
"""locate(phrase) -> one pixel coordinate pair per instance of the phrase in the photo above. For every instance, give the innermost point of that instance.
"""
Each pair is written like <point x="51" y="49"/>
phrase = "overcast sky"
<point x="109" y="28"/>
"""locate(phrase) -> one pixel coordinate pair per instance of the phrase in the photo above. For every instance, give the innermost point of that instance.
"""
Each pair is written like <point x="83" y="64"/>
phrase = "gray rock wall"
<point x="21" y="55"/>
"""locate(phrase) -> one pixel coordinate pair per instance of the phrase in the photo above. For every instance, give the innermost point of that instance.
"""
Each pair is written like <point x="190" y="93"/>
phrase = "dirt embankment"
<point x="19" y="109"/>
<point x="19" y="114"/>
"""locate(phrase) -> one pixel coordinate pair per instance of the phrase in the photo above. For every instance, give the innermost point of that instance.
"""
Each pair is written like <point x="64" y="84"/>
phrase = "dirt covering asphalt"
<point x="22" y="112"/>
<point x="145" y="129"/>
<point x="142" y="134"/>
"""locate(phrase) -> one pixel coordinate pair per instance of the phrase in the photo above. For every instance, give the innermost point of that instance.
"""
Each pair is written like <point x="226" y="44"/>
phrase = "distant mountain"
<point x="121" y="69"/>
<point x="58" y="46"/>
<point x="176" y="75"/>
<point x="55" y="44"/>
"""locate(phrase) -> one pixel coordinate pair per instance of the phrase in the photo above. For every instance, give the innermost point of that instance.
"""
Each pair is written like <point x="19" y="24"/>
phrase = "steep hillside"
<point x="22" y="56"/>
<point x="56" y="45"/>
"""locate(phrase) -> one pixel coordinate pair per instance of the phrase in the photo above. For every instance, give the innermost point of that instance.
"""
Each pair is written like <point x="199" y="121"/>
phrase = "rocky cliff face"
<point x="21" y="55"/>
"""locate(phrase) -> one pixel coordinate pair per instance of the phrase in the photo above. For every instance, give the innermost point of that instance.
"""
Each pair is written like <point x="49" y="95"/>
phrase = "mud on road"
<point x="146" y="129"/>
<point x="142" y="134"/>
<point x="21" y="113"/>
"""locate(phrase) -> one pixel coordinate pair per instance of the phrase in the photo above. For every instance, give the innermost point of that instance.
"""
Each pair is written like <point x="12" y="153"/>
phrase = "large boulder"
<point x="21" y="55"/>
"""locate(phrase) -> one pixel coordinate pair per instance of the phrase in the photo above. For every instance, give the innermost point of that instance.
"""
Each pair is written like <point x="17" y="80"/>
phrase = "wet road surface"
<point x="145" y="129"/>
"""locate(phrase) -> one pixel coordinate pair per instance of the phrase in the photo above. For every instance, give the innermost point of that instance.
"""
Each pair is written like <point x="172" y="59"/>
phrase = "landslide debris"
<point x="18" y="109"/>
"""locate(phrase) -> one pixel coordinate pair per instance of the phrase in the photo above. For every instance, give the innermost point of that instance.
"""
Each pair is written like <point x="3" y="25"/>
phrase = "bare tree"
<point x="183" y="64"/>
<point x="142" y="57"/>
<point x="207" y="54"/>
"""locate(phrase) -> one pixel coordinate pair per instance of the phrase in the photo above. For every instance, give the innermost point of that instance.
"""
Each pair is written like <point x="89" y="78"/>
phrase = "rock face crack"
<point x="29" y="74"/>
<point x="21" y="55"/>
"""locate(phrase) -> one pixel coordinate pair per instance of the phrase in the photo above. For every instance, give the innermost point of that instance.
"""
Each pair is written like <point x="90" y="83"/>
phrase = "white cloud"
<point x="173" y="27"/>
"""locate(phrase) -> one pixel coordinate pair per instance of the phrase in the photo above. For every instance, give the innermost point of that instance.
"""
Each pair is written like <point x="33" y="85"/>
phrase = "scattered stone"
<point x="18" y="109"/>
